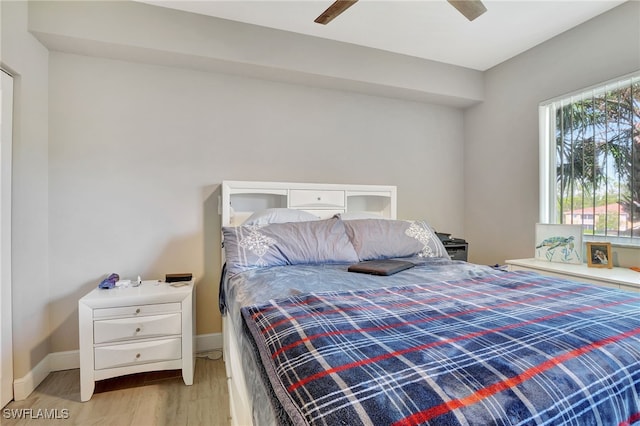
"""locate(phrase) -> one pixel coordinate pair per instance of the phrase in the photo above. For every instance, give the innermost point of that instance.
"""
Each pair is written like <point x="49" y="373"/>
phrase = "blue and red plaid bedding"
<point x="505" y="349"/>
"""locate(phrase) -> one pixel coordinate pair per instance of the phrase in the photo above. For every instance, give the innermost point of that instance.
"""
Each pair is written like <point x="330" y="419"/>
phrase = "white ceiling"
<point x="430" y="29"/>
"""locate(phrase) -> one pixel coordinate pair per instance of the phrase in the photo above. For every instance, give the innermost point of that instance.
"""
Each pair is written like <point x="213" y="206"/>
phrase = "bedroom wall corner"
<point x="501" y="134"/>
<point x="208" y="316"/>
<point x="27" y="59"/>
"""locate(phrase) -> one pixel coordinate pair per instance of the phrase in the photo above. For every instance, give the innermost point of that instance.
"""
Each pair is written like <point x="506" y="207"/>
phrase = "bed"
<point x="442" y="343"/>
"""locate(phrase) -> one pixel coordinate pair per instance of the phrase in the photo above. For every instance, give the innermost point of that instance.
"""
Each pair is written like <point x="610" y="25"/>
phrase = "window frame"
<point x="547" y="155"/>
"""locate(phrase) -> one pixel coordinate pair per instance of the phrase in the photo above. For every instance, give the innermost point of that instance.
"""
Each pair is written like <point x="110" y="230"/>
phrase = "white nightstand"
<point x="136" y="329"/>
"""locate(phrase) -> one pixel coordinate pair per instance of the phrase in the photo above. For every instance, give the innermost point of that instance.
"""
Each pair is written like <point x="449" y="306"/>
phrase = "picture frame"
<point x="599" y="255"/>
<point x="559" y="243"/>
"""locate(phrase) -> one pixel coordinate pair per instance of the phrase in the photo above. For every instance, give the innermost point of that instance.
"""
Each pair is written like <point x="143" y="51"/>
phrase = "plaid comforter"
<point x="505" y="349"/>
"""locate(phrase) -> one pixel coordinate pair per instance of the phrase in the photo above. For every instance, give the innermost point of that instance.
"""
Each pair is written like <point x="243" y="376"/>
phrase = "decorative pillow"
<point x="318" y="241"/>
<point x="278" y="215"/>
<point x="385" y="238"/>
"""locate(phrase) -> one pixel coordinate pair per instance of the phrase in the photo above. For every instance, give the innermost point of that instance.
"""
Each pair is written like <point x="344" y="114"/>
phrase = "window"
<point x="590" y="161"/>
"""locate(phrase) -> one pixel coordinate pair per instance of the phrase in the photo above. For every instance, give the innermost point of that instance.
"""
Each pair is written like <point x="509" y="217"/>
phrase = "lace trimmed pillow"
<point x="277" y="244"/>
<point x="385" y="239"/>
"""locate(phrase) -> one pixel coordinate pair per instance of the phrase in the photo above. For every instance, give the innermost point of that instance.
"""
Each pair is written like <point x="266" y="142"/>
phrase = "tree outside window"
<point x="595" y="155"/>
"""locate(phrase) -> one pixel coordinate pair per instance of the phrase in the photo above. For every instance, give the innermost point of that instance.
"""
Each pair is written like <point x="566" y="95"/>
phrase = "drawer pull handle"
<point x="138" y="330"/>
<point x="138" y="311"/>
<point x="137" y="356"/>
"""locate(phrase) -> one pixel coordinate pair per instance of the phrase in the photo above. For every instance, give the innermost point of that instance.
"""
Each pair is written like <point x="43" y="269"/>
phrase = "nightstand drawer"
<point x="301" y="198"/>
<point x="113" y="330"/>
<point x="137" y="353"/>
<point x="135" y="311"/>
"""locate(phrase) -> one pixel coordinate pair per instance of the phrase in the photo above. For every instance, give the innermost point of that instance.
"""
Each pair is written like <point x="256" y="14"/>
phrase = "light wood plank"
<point x="157" y="398"/>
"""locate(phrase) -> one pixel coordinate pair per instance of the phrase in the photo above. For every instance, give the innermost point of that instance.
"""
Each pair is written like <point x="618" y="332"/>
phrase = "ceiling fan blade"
<point x="334" y="10"/>
<point x="471" y="9"/>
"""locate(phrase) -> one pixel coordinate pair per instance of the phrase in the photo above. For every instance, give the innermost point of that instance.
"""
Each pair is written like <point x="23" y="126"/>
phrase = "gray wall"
<point x="142" y="33"/>
<point x="136" y="152"/>
<point x="146" y="121"/>
<point x="501" y="133"/>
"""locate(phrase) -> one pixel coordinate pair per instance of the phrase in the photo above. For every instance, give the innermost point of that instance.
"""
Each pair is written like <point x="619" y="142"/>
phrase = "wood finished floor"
<point x="149" y="399"/>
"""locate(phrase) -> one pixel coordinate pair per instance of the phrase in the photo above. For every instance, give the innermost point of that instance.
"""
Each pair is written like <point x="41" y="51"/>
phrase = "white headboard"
<point x="241" y="198"/>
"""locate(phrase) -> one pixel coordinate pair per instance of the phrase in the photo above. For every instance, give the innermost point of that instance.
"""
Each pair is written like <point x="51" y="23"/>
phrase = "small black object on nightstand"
<point x="174" y="278"/>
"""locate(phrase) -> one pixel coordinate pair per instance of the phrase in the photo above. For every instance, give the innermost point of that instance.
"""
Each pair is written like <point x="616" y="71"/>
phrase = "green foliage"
<point x="598" y="152"/>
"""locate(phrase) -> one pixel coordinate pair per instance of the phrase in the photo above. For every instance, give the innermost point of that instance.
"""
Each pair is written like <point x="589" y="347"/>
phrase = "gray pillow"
<point x="384" y="239"/>
<point x="276" y="244"/>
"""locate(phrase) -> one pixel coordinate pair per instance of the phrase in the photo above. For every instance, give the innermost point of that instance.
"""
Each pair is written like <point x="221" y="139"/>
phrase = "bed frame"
<point x="242" y="198"/>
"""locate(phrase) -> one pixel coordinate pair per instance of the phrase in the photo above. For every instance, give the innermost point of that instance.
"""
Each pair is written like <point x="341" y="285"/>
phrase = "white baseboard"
<point x="58" y="361"/>
<point x="208" y="342"/>
<point x="68" y="360"/>
<point x="23" y="386"/>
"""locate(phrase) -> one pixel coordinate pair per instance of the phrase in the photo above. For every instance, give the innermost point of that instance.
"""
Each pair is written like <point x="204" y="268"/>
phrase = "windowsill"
<point x="619" y="277"/>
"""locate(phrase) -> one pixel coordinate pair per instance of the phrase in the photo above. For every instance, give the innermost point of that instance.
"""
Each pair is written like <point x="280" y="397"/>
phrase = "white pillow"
<point x="359" y="215"/>
<point x="278" y="215"/>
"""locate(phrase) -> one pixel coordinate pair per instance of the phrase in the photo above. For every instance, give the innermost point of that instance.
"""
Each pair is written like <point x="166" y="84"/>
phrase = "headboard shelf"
<point x="242" y="198"/>
<point x="368" y="202"/>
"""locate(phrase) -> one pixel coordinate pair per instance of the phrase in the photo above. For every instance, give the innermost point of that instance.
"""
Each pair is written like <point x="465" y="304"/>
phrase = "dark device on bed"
<point x="380" y="267"/>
